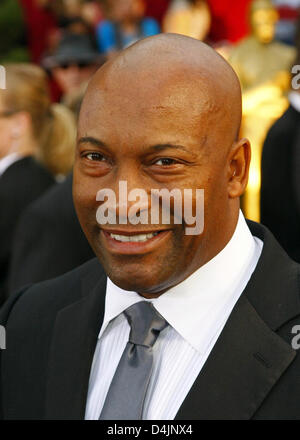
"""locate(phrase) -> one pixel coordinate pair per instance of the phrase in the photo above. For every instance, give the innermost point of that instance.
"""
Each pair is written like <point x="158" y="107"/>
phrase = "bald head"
<point x="170" y="73"/>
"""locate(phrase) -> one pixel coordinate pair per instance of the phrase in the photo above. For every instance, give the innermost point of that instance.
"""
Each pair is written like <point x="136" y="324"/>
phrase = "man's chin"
<point x="136" y="283"/>
<point x="144" y="274"/>
<point x="137" y="280"/>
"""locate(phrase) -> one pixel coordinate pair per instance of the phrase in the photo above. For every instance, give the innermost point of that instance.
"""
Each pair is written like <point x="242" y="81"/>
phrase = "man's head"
<point x="164" y="114"/>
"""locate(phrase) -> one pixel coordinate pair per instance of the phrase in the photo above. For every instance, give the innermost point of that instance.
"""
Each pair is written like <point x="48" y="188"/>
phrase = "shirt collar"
<point x="194" y="306"/>
<point x="7" y="161"/>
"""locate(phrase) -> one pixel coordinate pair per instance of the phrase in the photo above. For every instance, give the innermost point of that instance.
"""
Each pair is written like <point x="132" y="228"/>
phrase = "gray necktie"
<point x="126" y="395"/>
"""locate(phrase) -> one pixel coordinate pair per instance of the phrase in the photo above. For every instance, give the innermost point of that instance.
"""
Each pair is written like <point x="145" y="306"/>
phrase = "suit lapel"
<point x="73" y="344"/>
<point x="245" y="363"/>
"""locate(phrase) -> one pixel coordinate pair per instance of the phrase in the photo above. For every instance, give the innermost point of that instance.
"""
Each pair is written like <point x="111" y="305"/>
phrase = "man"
<point x="22" y="178"/>
<point x="73" y="63"/>
<point x="199" y="326"/>
<point x="280" y="194"/>
<point x="48" y="240"/>
<point x="280" y="197"/>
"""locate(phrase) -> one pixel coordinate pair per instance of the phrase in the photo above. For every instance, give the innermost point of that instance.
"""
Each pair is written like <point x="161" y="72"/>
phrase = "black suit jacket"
<point x="280" y="186"/>
<point x="48" y="240"/>
<point x="22" y="183"/>
<point x="252" y="371"/>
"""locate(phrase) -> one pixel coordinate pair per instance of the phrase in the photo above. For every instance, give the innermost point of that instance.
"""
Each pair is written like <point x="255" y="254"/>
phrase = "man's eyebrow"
<point x="155" y="148"/>
<point x="161" y="147"/>
<point x="91" y="140"/>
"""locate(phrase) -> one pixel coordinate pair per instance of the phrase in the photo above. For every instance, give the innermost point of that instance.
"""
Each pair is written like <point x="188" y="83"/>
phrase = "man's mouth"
<point x="133" y="238"/>
<point x="133" y="242"/>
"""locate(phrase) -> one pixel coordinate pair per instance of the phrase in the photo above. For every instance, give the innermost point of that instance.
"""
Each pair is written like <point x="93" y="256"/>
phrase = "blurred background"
<point x="51" y="48"/>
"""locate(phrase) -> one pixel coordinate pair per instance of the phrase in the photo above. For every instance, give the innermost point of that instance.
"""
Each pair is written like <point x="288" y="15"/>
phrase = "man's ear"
<point x="238" y="169"/>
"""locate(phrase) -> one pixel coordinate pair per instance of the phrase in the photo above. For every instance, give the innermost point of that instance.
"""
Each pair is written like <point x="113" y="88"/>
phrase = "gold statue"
<point x="188" y="18"/>
<point x="263" y="66"/>
<point x="258" y="58"/>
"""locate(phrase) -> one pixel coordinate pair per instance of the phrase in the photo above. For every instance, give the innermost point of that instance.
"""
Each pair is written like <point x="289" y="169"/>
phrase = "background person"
<point x="48" y="240"/>
<point x="73" y="63"/>
<point x="36" y="145"/>
<point x="280" y="185"/>
<point x="22" y="178"/>
<point x="124" y="26"/>
<point x="49" y="130"/>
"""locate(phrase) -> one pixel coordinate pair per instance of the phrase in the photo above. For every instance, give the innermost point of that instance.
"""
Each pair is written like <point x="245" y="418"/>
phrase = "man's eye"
<point x="165" y="162"/>
<point x="95" y="157"/>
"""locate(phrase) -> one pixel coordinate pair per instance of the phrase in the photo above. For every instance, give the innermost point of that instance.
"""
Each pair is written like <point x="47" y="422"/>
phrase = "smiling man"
<point x="172" y="126"/>
<point x="199" y="326"/>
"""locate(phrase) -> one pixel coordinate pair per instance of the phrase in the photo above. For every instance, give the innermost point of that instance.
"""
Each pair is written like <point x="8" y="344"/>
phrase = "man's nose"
<point x="132" y="193"/>
<point x="132" y="197"/>
<point x="131" y="201"/>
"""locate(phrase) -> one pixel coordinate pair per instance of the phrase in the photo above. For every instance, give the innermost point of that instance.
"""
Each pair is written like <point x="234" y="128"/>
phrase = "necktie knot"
<point x="145" y="323"/>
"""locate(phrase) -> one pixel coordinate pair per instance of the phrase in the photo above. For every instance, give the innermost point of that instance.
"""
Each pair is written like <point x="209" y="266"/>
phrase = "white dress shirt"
<point x="196" y="309"/>
<point x="8" y="160"/>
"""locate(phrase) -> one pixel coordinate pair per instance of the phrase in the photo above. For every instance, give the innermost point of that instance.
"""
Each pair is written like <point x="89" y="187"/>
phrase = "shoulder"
<point x="23" y="183"/>
<point x="283" y="131"/>
<point x="28" y="171"/>
<point x="289" y="119"/>
<point x="38" y="172"/>
<point x="57" y="198"/>
<point x="28" y="164"/>
<point x="44" y="299"/>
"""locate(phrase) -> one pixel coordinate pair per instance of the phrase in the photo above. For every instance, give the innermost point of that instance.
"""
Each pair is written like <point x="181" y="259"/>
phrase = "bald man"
<point x="197" y="315"/>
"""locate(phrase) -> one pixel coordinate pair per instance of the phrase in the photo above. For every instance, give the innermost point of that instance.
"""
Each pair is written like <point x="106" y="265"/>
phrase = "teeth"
<point x="133" y="238"/>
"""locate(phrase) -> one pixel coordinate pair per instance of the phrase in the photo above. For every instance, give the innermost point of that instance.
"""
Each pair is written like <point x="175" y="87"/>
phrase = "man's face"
<point x="151" y="140"/>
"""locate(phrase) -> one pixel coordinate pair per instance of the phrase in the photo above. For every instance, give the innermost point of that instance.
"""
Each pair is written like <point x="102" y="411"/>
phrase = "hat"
<point x="73" y="48"/>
